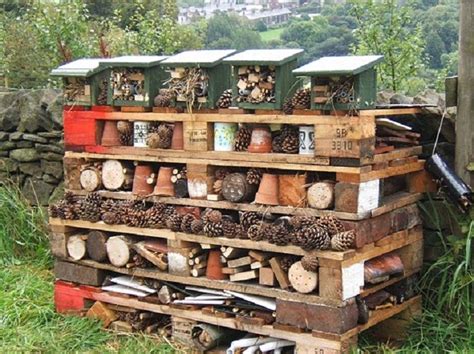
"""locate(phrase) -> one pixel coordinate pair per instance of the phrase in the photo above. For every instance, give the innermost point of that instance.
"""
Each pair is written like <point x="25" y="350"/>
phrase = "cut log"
<point x="301" y="280"/>
<point x="101" y="312"/>
<point x="235" y="188"/>
<point x="115" y="175"/>
<point x="79" y="274"/>
<point x="95" y="244"/>
<point x="321" y="195"/>
<point x="91" y="178"/>
<point x="165" y="294"/>
<point x="118" y="250"/>
<point x="76" y="247"/>
<point x="280" y="274"/>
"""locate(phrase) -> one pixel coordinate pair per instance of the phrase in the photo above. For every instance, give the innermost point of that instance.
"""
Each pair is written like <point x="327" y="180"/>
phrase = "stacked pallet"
<point x="311" y="273"/>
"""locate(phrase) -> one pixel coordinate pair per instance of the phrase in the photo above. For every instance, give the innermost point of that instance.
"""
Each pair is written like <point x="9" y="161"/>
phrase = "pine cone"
<point x="256" y="232"/>
<point x="277" y="143"/>
<point x="110" y="218"/>
<point x="312" y="237"/>
<point x="310" y="263"/>
<point x="221" y="173"/>
<point x="174" y="222"/>
<point x="290" y="144"/>
<point x="213" y="229"/>
<point x="212" y="216"/>
<point x="136" y="217"/>
<point x="254" y="176"/>
<point x="229" y="228"/>
<point x="343" y="240"/>
<point x="278" y="235"/>
<point x="288" y="106"/>
<point x="89" y="208"/>
<point x="126" y="139"/>
<point x="331" y="224"/>
<point x="155" y="216"/>
<point x="242" y="139"/>
<point x="225" y="100"/>
<point x="249" y="218"/>
<point x="217" y="186"/>
<point x="239" y="232"/>
<point x="287" y="261"/>
<point x="301" y="99"/>
<point x="186" y="223"/>
<point x="160" y="138"/>
<point x="125" y="127"/>
<point x="300" y="221"/>
<point x="164" y="98"/>
<point x="197" y="226"/>
<point x="53" y="211"/>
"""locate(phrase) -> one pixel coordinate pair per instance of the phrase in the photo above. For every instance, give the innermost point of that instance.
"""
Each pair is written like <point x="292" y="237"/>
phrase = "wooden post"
<point x="465" y="112"/>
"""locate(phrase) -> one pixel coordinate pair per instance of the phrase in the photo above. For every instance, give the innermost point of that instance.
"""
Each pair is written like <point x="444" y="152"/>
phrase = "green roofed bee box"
<point x="85" y="82"/>
<point x="197" y="77"/>
<point x="134" y="80"/>
<point x="342" y="83"/>
<point x="262" y="77"/>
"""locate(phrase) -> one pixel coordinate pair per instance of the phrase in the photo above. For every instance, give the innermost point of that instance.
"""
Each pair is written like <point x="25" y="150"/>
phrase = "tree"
<point x="385" y="28"/>
<point x="226" y="31"/>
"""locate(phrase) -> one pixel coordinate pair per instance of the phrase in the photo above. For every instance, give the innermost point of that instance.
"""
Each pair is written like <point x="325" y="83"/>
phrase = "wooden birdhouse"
<point x="262" y="78"/>
<point x="197" y="78"/>
<point x="342" y="83"/>
<point x="85" y="82"/>
<point x="134" y="80"/>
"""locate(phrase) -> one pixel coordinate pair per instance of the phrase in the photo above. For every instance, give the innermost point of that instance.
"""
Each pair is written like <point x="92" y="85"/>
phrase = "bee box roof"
<point x="202" y="58"/>
<point x="134" y="61"/>
<point x="264" y="56"/>
<point x="346" y="65"/>
<point x="79" y="68"/>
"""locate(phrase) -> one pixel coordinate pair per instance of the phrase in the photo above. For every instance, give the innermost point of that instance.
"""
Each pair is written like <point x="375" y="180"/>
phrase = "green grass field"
<point x="28" y="322"/>
<point x="271" y="34"/>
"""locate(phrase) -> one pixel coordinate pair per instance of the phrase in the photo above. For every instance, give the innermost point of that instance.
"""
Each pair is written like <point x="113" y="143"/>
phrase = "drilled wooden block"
<point x="78" y="273"/>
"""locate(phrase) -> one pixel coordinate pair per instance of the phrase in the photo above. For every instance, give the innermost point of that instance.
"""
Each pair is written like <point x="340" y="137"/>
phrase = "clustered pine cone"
<point x="301" y="99"/>
<point x="242" y="138"/>
<point x="254" y="176"/>
<point x="125" y="130"/>
<point x="225" y="100"/>
<point x="159" y="137"/>
<point x="287" y="261"/>
<point x="288" y="106"/>
<point x="287" y="141"/>
<point x="308" y="232"/>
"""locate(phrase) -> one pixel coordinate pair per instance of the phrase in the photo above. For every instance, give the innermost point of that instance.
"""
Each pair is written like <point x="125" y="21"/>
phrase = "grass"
<point x="28" y="322"/>
<point x="271" y="34"/>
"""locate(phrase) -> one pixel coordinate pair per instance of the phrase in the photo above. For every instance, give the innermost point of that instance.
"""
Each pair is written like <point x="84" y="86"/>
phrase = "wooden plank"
<point x="251" y="274"/>
<point x="398" y="153"/>
<point x="267" y="277"/>
<point x="396" y="201"/>
<point x="390" y="112"/>
<point x="239" y="262"/>
<point x="374" y="288"/>
<point x="339" y="147"/>
<point x="379" y="174"/>
<point x="280" y="274"/>
<point x="78" y="273"/>
<point x="345" y="130"/>
<point x="212" y="158"/>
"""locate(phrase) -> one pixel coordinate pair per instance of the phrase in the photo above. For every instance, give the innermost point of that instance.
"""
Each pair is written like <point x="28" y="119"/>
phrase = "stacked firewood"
<point x="128" y="84"/>
<point x="392" y="133"/>
<point x="256" y="84"/>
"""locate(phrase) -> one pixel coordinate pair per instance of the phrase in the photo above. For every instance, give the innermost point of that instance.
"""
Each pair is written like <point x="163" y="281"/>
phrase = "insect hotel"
<point x="342" y="83"/>
<point x="262" y="78"/>
<point x="247" y="248"/>
<point x="134" y="80"/>
<point x="197" y="78"/>
<point x="84" y="81"/>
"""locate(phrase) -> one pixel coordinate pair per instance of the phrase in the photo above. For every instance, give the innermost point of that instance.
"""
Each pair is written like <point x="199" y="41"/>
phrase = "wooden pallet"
<point x="347" y="137"/>
<point x="340" y="273"/>
<point x="306" y="342"/>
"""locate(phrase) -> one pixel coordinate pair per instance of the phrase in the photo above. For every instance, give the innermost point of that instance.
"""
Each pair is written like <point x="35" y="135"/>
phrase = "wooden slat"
<point x="397" y="154"/>
<point x="390" y="112"/>
<point x="396" y="201"/>
<point x="373" y="289"/>
<point x="380" y="174"/>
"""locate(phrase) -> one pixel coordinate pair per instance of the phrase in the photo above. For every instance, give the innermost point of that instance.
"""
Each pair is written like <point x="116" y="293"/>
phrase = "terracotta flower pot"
<point x="214" y="266"/>
<point x="177" y="141"/>
<point x="268" y="190"/>
<point x="261" y="141"/>
<point x="163" y="183"/>
<point x="140" y="180"/>
<point x="110" y="134"/>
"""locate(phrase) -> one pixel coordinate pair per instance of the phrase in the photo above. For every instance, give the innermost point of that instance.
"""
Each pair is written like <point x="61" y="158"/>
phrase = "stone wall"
<point x="31" y="142"/>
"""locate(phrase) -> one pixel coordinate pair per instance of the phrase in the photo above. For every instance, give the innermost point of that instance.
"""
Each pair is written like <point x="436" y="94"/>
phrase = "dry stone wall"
<point x="31" y="142"/>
